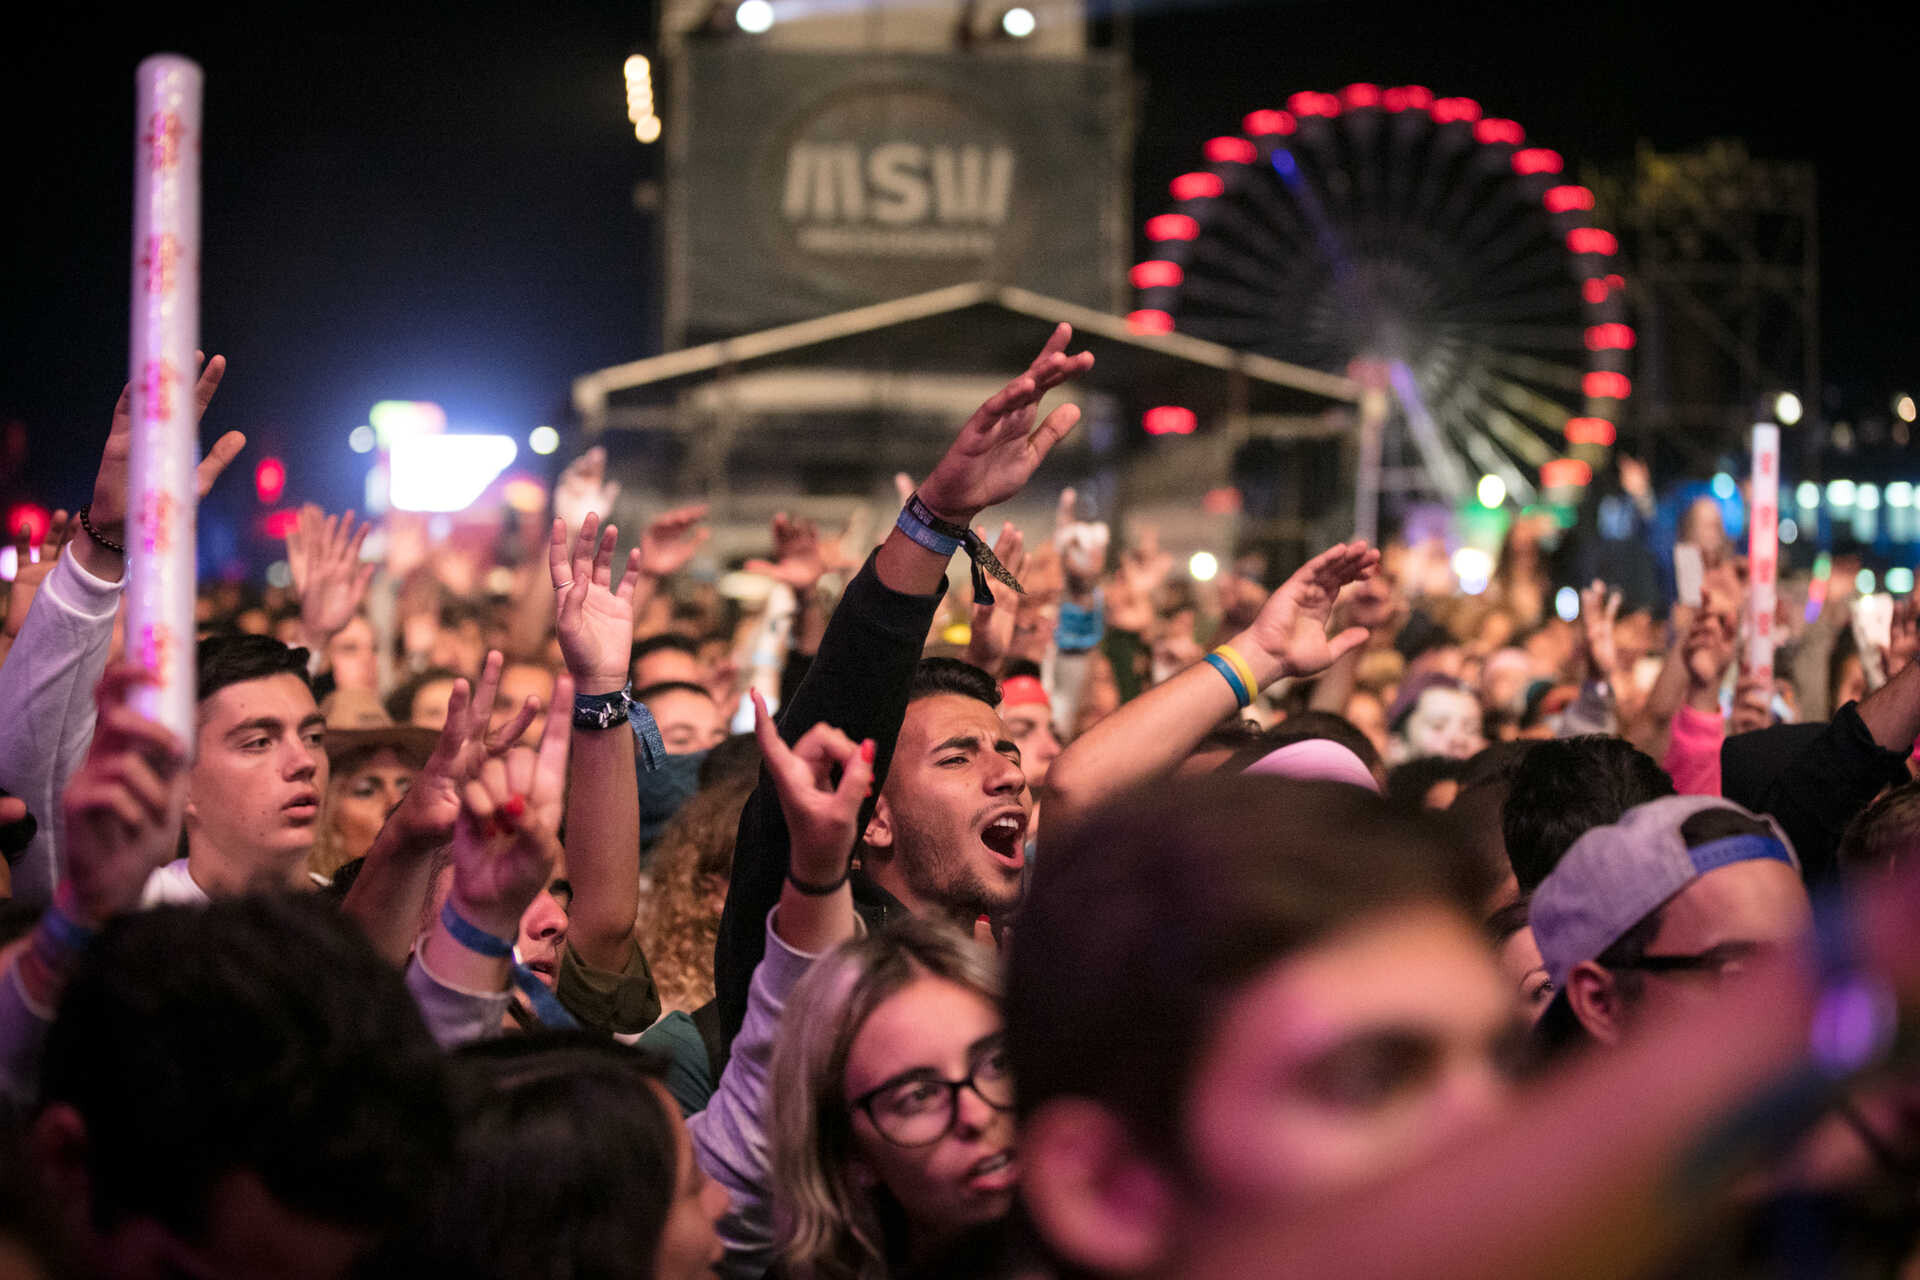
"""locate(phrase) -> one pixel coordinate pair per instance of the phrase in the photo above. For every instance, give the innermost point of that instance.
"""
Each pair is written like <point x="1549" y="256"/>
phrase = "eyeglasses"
<point x="1726" y="960"/>
<point x="920" y="1108"/>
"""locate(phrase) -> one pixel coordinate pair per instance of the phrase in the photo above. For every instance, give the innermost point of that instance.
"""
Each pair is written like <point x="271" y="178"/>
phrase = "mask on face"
<point x="664" y="789"/>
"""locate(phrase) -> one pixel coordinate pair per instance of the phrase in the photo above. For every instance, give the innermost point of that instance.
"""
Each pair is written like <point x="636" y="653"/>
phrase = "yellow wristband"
<point x="1241" y="667"/>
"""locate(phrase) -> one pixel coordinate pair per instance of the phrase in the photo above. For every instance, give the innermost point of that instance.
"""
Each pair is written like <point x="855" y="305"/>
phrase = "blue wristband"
<point x="925" y="534"/>
<point x="63" y="930"/>
<point x="472" y="936"/>
<point x="1232" y="678"/>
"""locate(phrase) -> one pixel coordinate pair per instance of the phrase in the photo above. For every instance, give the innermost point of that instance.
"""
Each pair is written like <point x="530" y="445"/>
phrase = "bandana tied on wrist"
<point x="942" y="537"/>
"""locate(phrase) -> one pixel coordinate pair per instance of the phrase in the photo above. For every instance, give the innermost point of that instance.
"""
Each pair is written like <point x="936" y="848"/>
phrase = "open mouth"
<point x="303" y="808"/>
<point x="1005" y="838"/>
<point x="995" y="1173"/>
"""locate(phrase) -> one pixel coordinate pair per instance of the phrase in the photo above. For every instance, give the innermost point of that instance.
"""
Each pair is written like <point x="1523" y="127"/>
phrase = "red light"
<point x="1407" y="97"/>
<point x="1149" y="321"/>
<point x="1562" y="199"/>
<point x="1172" y="226"/>
<point x="1594" y="290"/>
<point x="1609" y="337"/>
<point x="1537" y="160"/>
<point x="278" y="524"/>
<point x="29" y="518"/>
<point x="1309" y="103"/>
<point x="1197" y="186"/>
<point x="1589" y="431"/>
<point x="1265" y="124"/>
<point x="1361" y="95"/>
<point x="1565" y="473"/>
<point x="1616" y="282"/>
<point x="1601" y="385"/>
<point x="1448" y="110"/>
<point x="1224" y="501"/>
<point x="1591" y="240"/>
<point x="270" y="479"/>
<point x="1230" y="150"/>
<point x="1156" y="274"/>
<point x="1169" y="420"/>
<point x="1494" y="129"/>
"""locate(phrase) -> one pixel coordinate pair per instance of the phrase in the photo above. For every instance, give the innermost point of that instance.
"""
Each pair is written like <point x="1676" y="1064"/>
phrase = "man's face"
<point x="429" y="710"/>
<point x="667" y="666"/>
<point x="1030" y="725"/>
<point x="952" y="818"/>
<point x="518" y="682"/>
<point x="1345" y="1062"/>
<point x="688" y="721"/>
<point x="258" y="774"/>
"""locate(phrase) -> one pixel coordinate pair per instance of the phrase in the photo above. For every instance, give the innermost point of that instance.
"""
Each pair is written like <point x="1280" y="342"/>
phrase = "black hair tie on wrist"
<point x="86" y="523"/>
<point x="813" y="890"/>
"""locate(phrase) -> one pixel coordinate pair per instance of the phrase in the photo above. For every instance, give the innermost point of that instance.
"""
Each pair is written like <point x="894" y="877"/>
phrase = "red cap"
<point x="1020" y="691"/>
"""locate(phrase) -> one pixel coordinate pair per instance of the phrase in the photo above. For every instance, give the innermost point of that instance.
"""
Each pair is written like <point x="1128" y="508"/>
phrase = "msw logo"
<point x="898" y="184"/>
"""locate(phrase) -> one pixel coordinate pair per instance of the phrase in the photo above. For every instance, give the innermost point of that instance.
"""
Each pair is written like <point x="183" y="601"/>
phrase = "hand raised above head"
<point x="594" y="619"/>
<point x="822" y="814"/>
<point x="1289" y="635"/>
<point x="507" y="836"/>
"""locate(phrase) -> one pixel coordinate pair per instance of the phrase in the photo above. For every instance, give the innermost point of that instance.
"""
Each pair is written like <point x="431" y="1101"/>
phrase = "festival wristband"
<point x="814" y="890"/>
<point x="472" y="936"/>
<point x="943" y="538"/>
<point x="593" y="712"/>
<point x="1232" y="677"/>
<point x="1241" y="667"/>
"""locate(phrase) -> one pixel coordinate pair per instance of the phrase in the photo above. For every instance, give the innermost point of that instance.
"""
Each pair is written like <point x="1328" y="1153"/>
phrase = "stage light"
<point x="1867" y="498"/>
<point x="755" y="17"/>
<point x="1169" y="420"/>
<point x="1474" y="568"/>
<point x="1203" y="566"/>
<point x="447" y="473"/>
<point x="1789" y="531"/>
<point x="1723" y="486"/>
<point x="1786" y="408"/>
<point x="1492" y="491"/>
<point x="647" y="130"/>
<point x="543" y="440"/>
<point x="1840" y="493"/>
<point x="1903" y="407"/>
<point x="360" y="439"/>
<point x="1566" y="604"/>
<point x="270" y="480"/>
<point x="1864" y="582"/>
<point x="1900" y="580"/>
<point x="1018" y="22"/>
<point x="1807" y="494"/>
<point x="1899" y="494"/>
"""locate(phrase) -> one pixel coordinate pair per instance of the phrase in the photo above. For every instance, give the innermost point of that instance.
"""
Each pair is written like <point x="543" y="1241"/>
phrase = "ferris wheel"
<point x="1390" y="229"/>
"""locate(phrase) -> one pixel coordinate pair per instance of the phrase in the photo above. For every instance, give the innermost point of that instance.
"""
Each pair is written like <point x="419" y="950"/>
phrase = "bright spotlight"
<point x="1787" y="408"/>
<point x="1863" y="582"/>
<point x="755" y="17"/>
<point x="447" y="473"/>
<point x="1203" y="566"/>
<point x="1903" y="407"/>
<point x="1807" y="494"/>
<point x="1723" y="486"/>
<point x="1840" y="493"/>
<point x="1492" y="491"/>
<point x="1867" y="497"/>
<point x="1566" y="604"/>
<point x="543" y="440"/>
<point x="360" y="439"/>
<point x="1018" y="22"/>
<point x="648" y="129"/>
<point x="1900" y="580"/>
<point x="1474" y="568"/>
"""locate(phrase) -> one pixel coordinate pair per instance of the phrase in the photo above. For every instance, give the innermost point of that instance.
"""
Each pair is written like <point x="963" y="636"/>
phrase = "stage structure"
<point x="1433" y="250"/>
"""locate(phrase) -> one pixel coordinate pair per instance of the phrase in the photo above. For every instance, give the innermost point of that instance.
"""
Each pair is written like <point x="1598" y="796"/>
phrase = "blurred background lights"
<point x="754" y="16"/>
<point x="639" y="72"/>
<point x="1789" y="531"/>
<point x="279" y="574"/>
<point x="1903" y="407"/>
<point x="447" y="473"/>
<point x="1492" y="491"/>
<point x="543" y="440"/>
<point x="1864" y="582"/>
<point x="1807" y="495"/>
<point x="1900" y="580"/>
<point x="1566" y="604"/>
<point x="1474" y="568"/>
<point x="1787" y="408"/>
<point x="1868" y="497"/>
<point x="1839" y="493"/>
<point x="1899" y="494"/>
<point x="1203" y="566"/>
<point x="1018" y="22"/>
<point x="360" y="439"/>
<point x="1723" y="487"/>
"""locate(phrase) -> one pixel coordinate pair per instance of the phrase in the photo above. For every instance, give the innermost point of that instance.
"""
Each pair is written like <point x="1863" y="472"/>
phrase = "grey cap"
<point x="1615" y="876"/>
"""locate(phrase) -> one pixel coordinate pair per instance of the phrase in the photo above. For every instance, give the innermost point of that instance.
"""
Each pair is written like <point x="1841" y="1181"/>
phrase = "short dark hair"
<point x="653" y="691"/>
<point x="234" y="659"/>
<point x="1408" y="784"/>
<point x="400" y="702"/>
<point x="950" y="675"/>
<point x="665" y="640"/>
<point x="1564" y="788"/>
<point x="1165" y="904"/>
<point x="258" y="1033"/>
<point x="562" y="1137"/>
<point x="1881" y="831"/>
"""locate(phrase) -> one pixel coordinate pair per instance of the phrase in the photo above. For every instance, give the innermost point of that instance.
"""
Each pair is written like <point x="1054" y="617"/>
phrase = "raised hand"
<point x="822" y="814"/>
<point x="427" y="813"/>
<point x="1288" y="636"/>
<point x="323" y="555"/>
<point x="1709" y="649"/>
<point x="799" y="556"/>
<point x="123" y="806"/>
<point x="594" y="621"/>
<point x="671" y="540"/>
<point x="999" y="448"/>
<point x="108" y="511"/>
<point x="1598" y="612"/>
<point x="584" y="487"/>
<point x="990" y="630"/>
<point x="1143" y="569"/>
<point x="31" y="567"/>
<point x="506" y="839"/>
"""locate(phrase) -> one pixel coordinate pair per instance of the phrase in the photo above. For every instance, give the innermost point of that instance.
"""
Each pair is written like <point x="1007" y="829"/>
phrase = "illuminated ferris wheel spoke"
<point x="1546" y="373"/>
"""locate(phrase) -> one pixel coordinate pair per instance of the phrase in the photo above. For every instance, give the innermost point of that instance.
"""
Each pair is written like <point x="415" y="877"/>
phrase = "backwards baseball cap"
<point x="1616" y="876"/>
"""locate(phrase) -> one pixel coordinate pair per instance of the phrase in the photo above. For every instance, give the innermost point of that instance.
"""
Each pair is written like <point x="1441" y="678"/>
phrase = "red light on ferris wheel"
<point x="1407" y="97"/>
<point x="1592" y="240"/>
<point x="1589" y="431"/>
<point x="1565" y="473"/>
<point x="270" y="480"/>
<point x="1494" y="129"/>
<point x="1266" y="124"/>
<point x="1197" y="186"/>
<point x="1609" y="337"/>
<point x="1309" y="103"/>
<point x="1604" y="385"/>
<point x="1149" y="320"/>
<point x="1172" y="226"/>
<point x="1567" y="199"/>
<point x="1231" y="150"/>
<point x="1156" y="274"/>
<point x="1449" y="110"/>
<point x="1361" y="95"/>
<point x="1537" y="160"/>
<point x="1169" y="420"/>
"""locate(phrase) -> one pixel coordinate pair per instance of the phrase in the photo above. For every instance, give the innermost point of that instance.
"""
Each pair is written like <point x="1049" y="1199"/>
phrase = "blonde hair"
<point x="827" y="1227"/>
<point x="680" y="921"/>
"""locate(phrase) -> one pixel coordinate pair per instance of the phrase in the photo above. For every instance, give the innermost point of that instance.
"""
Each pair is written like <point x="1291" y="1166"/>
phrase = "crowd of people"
<point x="975" y="905"/>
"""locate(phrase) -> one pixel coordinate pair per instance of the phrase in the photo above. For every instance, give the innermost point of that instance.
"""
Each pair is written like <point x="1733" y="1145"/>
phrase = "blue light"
<point x="1722" y="486"/>
<point x="1284" y="164"/>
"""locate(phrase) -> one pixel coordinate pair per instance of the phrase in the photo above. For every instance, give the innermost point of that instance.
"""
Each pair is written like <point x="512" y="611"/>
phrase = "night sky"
<point x="435" y="202"/>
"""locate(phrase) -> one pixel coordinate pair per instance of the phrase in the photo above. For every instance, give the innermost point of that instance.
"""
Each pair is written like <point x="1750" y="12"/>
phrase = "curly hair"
<point x="680" y="920"/>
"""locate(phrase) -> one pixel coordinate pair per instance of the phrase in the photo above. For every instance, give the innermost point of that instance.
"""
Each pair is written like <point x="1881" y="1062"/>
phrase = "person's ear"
<point x="879" y="832"/>
<point x="1595" y="998"/>
<point x="1094" y="1197"/>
